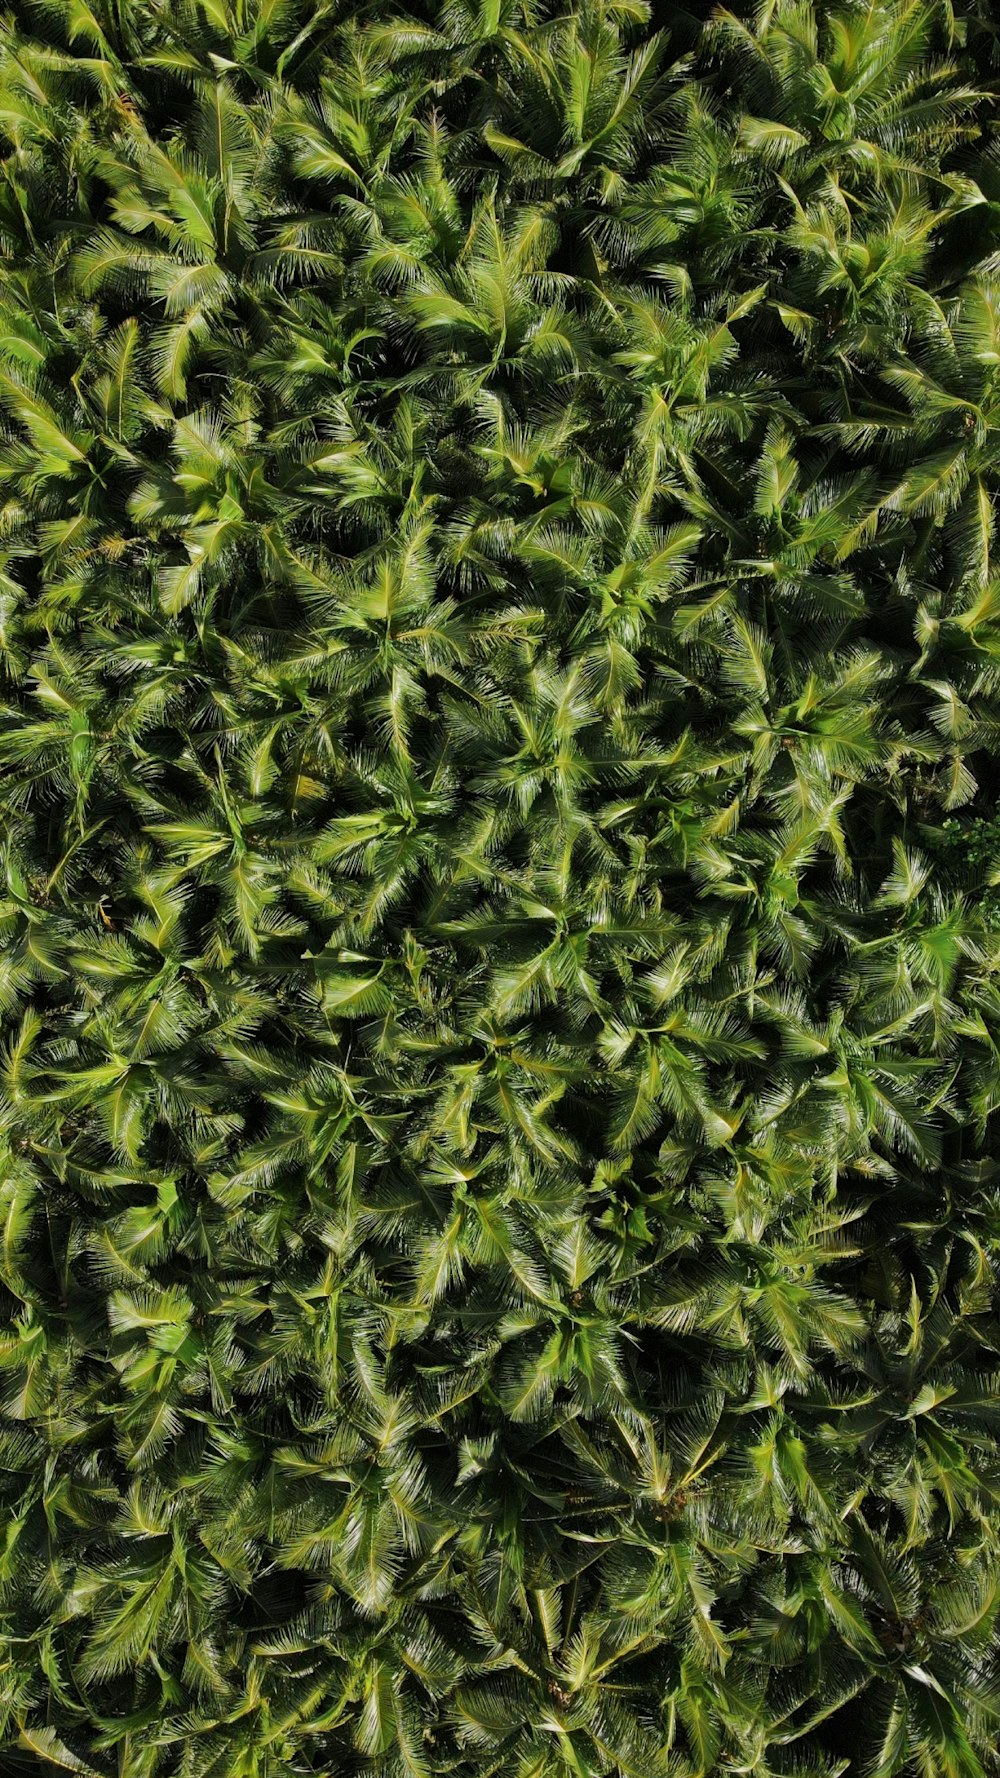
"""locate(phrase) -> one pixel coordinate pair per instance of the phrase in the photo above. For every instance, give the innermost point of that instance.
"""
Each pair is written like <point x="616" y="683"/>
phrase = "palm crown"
<point x="499" y="1216"/>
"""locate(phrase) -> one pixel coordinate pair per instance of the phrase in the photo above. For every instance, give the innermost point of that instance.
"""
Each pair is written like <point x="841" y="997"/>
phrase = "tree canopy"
<point x="500" y="927"/>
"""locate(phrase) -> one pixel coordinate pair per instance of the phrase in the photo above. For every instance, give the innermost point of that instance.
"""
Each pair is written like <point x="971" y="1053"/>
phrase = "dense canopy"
<point x="499" y="953"/>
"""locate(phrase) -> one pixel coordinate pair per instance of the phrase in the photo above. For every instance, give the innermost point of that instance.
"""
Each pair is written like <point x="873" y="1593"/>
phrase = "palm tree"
<point x="497" y="953"/>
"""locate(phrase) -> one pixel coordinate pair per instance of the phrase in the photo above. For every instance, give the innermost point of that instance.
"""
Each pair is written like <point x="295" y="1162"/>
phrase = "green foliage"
<point x="500" y="1217"/>
<point x="970" y="850"/>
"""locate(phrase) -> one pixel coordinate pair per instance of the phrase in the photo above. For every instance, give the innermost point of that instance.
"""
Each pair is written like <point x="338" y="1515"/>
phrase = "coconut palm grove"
<point x="500" y="918"/>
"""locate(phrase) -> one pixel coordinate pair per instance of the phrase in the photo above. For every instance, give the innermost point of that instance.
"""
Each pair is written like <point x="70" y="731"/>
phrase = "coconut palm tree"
<point x="499" y="940"/>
